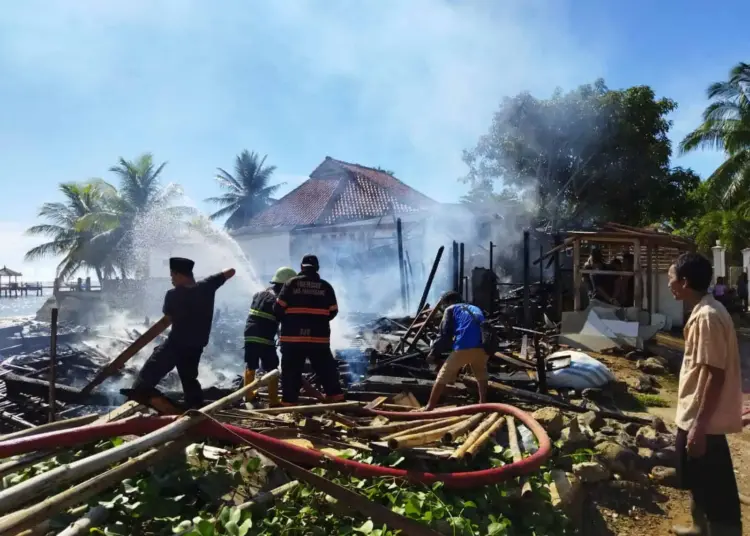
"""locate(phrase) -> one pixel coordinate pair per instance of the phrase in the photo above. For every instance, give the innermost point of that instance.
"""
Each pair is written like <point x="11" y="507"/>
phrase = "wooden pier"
<point x="20" y="290"/>
<point x="16" y="289"/>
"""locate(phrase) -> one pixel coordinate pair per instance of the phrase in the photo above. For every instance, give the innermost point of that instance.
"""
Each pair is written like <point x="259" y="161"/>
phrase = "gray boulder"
<point x="591" y="472"/>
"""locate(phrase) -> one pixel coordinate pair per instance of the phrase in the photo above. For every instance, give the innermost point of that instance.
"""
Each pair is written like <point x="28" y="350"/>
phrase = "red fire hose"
<point x="228" y="432"/>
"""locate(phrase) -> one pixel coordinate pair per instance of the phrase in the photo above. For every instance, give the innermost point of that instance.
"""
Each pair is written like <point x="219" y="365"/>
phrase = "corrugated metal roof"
<point x="356" y="193"/>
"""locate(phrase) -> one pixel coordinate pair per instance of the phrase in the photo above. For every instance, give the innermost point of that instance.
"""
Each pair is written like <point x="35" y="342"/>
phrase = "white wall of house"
<point x="267" y="252"/>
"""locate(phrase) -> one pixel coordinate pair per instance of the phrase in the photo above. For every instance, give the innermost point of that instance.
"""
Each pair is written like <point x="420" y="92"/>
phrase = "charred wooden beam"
<point x="21" y="386"/>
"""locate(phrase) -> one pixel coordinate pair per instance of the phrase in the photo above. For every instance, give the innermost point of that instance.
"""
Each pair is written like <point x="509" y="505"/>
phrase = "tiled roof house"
<point x="339" y="192"/>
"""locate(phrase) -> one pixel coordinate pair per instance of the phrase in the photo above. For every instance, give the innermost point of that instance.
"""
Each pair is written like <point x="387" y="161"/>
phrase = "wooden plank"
<point x="638" y="278"/>
<point x="137" y="345"/>
<point x="376" y="403"/>
<point x="650" y="278"/>
<point x="577" y="275"/>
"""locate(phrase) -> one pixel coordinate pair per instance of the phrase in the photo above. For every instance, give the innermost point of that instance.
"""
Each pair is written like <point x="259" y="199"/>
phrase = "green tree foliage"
<point x="247" y="191"/>
<point x="592" y="154"/>
<point x="722" y="203"/>
<point x="69" y="237"/>
<point x="726" y="126"/>
<point x="97" y="224"/>
<point x="141" y="204"/>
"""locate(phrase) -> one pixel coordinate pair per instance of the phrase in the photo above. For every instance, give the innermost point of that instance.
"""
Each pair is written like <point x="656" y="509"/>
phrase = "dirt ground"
<point x="629" y="509"/>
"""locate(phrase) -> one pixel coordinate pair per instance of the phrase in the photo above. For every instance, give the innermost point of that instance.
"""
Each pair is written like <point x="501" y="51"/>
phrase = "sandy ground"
<point x="630" y="510"/>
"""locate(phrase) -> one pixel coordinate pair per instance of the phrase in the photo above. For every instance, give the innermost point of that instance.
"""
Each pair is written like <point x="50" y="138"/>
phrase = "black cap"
<point x="310" y="261"/>
<point x="181" y="265"/>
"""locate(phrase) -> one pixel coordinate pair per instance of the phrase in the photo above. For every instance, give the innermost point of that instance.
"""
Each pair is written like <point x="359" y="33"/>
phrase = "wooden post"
<point x="527" y="280"/>
<point x="649" y="278"/>
<point x="401" y="267"/>
<point x="494" y="283"/>
<point x="656" y="279"/>
<point x="541" y="367"/>
<point x="52" y="362"/>
<point x="576" y="275"/>
<point x="558" y="280"/>
<point x="461" y="271"/>
<point x="638" y="276"/>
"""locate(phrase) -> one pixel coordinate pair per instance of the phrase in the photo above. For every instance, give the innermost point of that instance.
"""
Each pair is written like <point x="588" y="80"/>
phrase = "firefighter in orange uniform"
<point x="305" y="307"/>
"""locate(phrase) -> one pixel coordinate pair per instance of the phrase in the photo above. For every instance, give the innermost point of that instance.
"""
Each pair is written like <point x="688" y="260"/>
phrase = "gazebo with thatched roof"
<point x="10" y="274"/>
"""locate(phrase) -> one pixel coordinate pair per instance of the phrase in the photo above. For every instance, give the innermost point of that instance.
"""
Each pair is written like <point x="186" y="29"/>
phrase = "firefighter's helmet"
<point x="283" y="275"/>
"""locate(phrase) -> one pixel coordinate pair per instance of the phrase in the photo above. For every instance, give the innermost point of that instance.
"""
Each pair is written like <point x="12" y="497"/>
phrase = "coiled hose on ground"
<point x="296" y="454"/>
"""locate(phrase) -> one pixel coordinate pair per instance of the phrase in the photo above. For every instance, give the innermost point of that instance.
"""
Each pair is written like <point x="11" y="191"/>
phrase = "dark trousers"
<point x="261" y="354"/>
<point x="711" y="480"/>
<point x="293" y="358"/>
<point x="166" y="357"/>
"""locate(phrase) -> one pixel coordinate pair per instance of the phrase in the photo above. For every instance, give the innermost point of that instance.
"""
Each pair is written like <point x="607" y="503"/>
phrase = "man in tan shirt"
<point x="709" y="402"/>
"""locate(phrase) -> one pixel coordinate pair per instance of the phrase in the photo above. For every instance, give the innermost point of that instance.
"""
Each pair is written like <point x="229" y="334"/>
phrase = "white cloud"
<point x="15" y="244"/>
<point x="431" y="72"/>
<point x="426" y="74"/>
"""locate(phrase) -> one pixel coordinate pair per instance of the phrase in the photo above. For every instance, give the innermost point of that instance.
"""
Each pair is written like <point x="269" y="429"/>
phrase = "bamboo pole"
<point x="46" y="483"/>
<point x="442" y="423"/>
<point x="136" y="346"/>
<point x="29" y="517"/>
<point x="424" y="326"/>
<point x="265" y="498"/>
<point x="51" y="427"/>
<point x="52" y="364"/>
<point x="414" y="325"/>
<point x="482" y="439"/>
<point x="419" y="439"/>
<point x="484" y="425"/>
<point x="516" y="450"/>
<point x="461" y="428"/>
<point x="22" y="462"/>
<point x="95" y="516"/>
<point x="377" y="431"/>
<point x="311" y="409"/>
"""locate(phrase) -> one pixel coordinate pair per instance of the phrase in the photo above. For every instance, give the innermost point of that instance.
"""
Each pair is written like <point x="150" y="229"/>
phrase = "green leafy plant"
<point x="201" y="498"/>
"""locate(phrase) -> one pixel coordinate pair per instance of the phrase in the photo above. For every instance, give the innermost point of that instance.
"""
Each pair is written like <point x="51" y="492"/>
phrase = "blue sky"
<point x="402" y="84"/>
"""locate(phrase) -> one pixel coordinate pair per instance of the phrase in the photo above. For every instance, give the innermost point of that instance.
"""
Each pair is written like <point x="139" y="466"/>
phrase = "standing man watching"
<point x="461" y="332"/>
<point x="305" y="307"/>
<point x="260" y="333"/>
<point x="709" y="404"/>
<point x="190" y="308"/>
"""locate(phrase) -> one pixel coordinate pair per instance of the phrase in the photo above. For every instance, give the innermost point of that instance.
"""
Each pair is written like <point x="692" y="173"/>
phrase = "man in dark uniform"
<point x="305" y="307"/>
<point x="260" y="333"/>
<point x="190" y="308"/>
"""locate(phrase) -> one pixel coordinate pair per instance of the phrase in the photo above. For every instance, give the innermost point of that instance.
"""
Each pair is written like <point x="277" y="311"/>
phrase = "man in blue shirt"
<point x="460" y="334"/>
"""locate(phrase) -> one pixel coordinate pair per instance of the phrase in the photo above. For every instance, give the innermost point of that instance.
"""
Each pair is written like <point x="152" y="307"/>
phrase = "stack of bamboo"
<point x="25" y="504"/>
<point x="476" y="430"/>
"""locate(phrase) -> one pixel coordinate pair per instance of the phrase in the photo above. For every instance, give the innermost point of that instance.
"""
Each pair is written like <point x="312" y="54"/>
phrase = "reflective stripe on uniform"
<point x="315" y="340"/>
<point x="262" y="314"/>
<point x="334" y="307"/>
<point x="307" y="311"/>
<point x="281" y="302"/>
<point x="260" y="340"/>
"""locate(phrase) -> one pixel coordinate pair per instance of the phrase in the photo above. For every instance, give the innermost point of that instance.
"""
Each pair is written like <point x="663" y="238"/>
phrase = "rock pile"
<point x="595" y="449"/>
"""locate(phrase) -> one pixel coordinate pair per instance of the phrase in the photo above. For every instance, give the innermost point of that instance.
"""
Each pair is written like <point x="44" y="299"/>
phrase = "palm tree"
<point x="726" y="126"/>
<point x="717" y="220"/>
<point x="70" y="237"/>
<point x="247" y="191"/>
<point x="140" y="213"/>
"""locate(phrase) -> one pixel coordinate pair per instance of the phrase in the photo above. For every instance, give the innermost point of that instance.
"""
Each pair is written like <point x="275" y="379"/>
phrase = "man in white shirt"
<point x="709" y="404"/>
